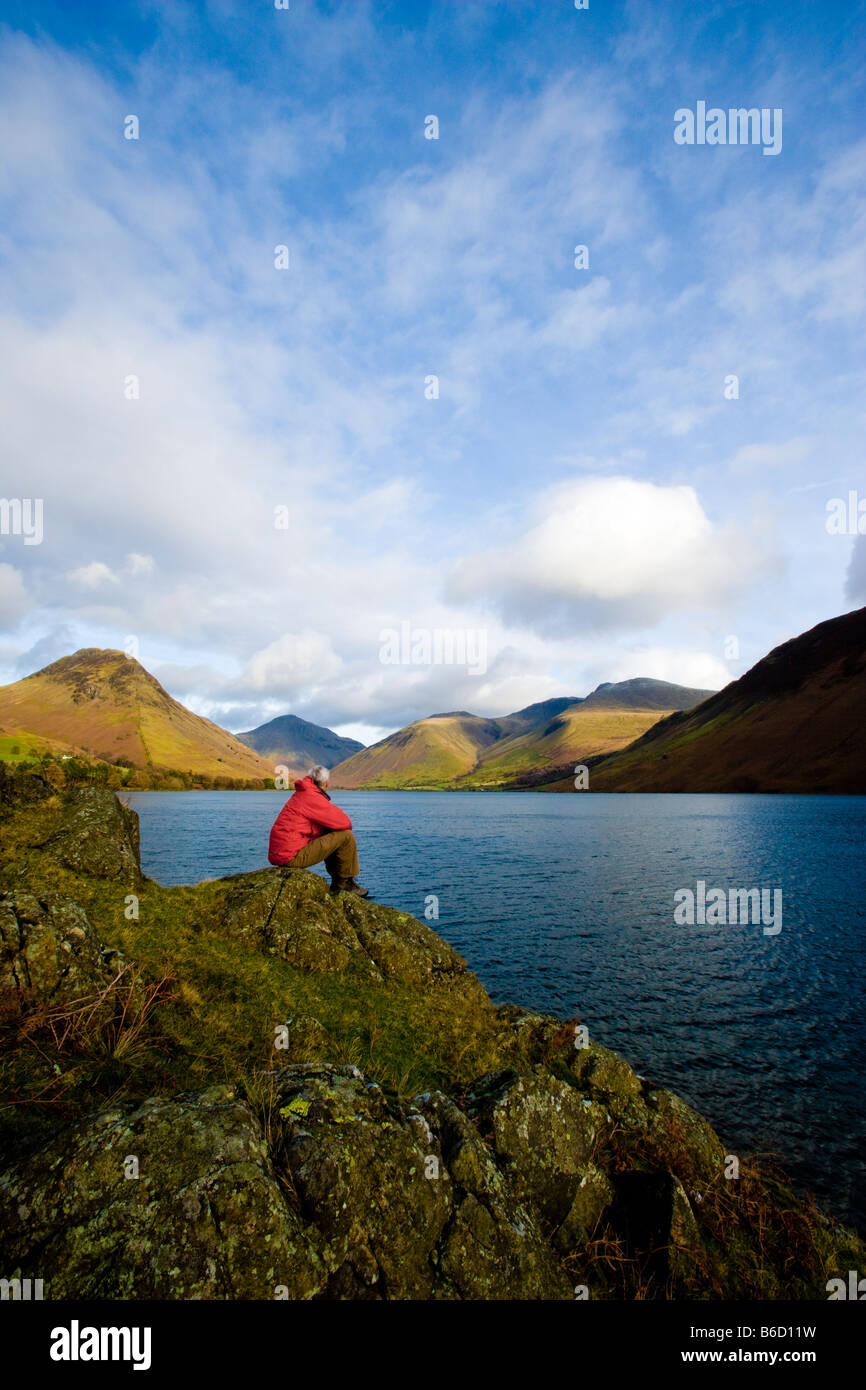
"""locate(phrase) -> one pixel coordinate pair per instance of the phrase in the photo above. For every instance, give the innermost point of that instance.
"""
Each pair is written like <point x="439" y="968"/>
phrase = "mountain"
<point x="643" y="693"/>
<point x="298" y="744"/>
<point x="105" y="704"/>
<point x="463" y="750"/>
<point x="793" y="723"/>
<point x="431" y="752"/>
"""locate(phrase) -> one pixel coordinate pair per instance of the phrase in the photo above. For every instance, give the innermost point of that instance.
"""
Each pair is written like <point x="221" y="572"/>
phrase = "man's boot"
<point x="348" y="885"/>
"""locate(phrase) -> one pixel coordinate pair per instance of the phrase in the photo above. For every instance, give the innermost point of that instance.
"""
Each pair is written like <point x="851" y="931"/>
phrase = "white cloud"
<point x="292" y="664"/>
<point x="855" y="583"/>
<point x="14" y="600"/>
<point x="138" y="564"/>
<point x="306" y="389"/>
<point x="579" y="318"/>
<point x="752" y="458"/>
<point x="679" y="665"/>
<point x="612" y="552"/>
<point x="92" y="575"/>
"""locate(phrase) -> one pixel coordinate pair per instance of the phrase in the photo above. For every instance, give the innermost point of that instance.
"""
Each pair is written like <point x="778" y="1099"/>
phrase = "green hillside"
<point x="465" y="751"/>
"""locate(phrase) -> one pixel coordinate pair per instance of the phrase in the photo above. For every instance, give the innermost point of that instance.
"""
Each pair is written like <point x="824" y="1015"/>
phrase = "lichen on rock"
<point x="49" y="951"/>
<point x="172" y="1199"/>
<point x="98" y="838"/>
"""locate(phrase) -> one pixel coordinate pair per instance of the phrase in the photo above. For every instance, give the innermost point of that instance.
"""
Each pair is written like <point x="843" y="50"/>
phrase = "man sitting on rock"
<point x="310" y="829"/>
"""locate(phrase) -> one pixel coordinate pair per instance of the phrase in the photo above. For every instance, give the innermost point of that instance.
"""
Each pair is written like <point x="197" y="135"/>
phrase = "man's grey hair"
<point x="320" y="775"/>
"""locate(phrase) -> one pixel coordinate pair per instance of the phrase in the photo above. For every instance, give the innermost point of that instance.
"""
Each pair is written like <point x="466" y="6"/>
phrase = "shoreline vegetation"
<point x="316" y="1095"/>
<point x="64" y="772"/>
<point x="76" y="771"/>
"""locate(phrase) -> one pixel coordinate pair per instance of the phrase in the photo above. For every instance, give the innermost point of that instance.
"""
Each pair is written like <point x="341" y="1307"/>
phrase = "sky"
<point x="303" y="365"/>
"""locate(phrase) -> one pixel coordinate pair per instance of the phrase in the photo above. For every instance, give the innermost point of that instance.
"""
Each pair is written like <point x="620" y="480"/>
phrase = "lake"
<point x="565" y="904"/>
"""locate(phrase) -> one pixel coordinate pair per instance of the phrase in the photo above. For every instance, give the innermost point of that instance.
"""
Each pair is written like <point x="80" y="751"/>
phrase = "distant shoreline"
<point x="495" y="791"/>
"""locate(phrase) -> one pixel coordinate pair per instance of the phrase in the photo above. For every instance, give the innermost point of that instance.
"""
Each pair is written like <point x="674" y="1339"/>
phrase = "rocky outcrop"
<point x="318" y="1185"/>
<point x="292" y="914"/>
<point x="544" y="1133"/>
<point x="170" y="1199"/>
<point x="16" y="790"/>
<point x="98" y="838"/>
<point x="90" y="834"/>
<point x="557" y="1172"/>
<point x="49" y="951"/>
<point x="355" y="1198"/>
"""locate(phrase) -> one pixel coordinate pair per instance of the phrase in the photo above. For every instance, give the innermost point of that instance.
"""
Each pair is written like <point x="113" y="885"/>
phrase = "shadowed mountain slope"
<point x="793" y="723"/>
<point x="298" y="744"/>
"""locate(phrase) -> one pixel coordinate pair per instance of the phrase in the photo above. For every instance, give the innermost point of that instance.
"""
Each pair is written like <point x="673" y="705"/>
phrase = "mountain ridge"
<point x="467" y="751"/>
<point x="298" y="743"/>
<point x="792" y="723"/>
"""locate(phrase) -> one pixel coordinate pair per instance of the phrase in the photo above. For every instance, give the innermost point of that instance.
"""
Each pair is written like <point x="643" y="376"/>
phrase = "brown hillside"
<point x="793" y="723"/>
<point x="465" y="751"/>
<point x="430" y="752"/>
<point x="580" y="732"/>
<point x="107" y="705"/>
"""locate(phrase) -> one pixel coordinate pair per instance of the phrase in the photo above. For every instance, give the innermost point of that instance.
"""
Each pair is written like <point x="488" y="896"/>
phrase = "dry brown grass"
<point x="106" y="1030"/>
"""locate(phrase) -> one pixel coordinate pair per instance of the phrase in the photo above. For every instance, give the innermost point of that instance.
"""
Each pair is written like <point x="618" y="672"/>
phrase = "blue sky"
<point x="582" y="490"/>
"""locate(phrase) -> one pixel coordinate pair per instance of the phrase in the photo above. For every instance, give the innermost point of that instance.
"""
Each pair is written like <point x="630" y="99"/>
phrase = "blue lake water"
<point x="566" y="904"/>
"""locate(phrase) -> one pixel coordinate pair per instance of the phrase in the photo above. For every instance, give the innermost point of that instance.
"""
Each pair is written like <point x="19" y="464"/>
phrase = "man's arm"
<point x="330" y="816"/>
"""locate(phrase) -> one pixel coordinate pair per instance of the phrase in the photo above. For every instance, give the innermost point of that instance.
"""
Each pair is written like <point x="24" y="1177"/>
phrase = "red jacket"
<point x="304" y="817"/>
